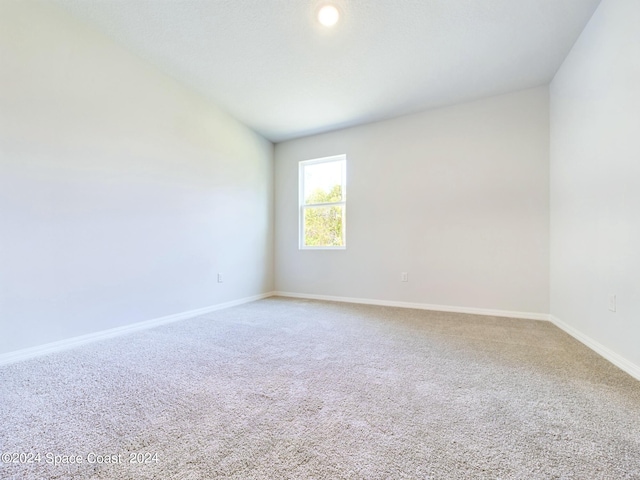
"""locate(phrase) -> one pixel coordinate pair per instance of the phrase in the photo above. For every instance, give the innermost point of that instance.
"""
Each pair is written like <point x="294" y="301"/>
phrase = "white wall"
<point x="122" y="194"/>
<point x="595" y="182"/>
<point x="457" y="197"/>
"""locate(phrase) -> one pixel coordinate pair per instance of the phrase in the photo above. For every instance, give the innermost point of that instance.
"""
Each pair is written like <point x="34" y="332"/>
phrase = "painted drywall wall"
<point x="595" y="182"/>
<point x="122" y="194"/>
<point x="457" y="197"/>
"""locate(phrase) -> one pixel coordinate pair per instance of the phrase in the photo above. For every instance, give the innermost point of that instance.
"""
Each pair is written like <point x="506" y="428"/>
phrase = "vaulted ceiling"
<point x="275" y="68"/>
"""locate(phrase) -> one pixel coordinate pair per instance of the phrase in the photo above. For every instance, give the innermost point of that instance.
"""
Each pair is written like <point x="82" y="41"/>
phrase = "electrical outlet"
<point x="404" y="276"/>
<point x="220" y="279"/>
<point x="612" y="302"/>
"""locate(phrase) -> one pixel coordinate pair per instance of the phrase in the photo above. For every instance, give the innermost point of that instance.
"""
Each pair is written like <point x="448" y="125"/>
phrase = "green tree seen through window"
<point x="323" y="224"/>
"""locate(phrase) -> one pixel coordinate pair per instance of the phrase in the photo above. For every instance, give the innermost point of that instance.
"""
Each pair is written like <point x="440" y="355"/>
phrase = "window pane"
<point x="323" y="226"/>
<point x="323" y="182"/>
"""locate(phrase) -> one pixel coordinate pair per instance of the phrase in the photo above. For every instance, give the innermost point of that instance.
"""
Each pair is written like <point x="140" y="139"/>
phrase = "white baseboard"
<point x="620" y="362"/>
<point x="420" y="306"/>
<point x="69" y="343"/>
<point x="24" y="354"/>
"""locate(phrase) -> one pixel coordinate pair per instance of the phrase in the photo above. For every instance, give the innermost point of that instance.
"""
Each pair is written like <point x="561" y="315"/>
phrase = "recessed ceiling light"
<point x="328" y="15"/>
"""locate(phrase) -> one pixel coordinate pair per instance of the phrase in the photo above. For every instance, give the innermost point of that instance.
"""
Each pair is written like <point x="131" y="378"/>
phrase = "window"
<point x="323" y="203"/>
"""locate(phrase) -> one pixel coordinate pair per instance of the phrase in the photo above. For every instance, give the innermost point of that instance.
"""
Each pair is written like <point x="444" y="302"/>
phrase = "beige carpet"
<point x="297" y="389"/>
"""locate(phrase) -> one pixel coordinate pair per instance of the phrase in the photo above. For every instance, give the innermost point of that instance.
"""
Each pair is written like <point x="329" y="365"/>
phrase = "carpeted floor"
<point x="298" y="389"/>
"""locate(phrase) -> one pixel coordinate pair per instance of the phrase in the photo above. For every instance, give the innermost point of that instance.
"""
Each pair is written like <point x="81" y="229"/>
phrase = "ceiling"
<point x="272" y="66"/>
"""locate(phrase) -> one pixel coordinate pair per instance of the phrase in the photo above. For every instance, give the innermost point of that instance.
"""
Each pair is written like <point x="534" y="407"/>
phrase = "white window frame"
<point x="302" y="206"/>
